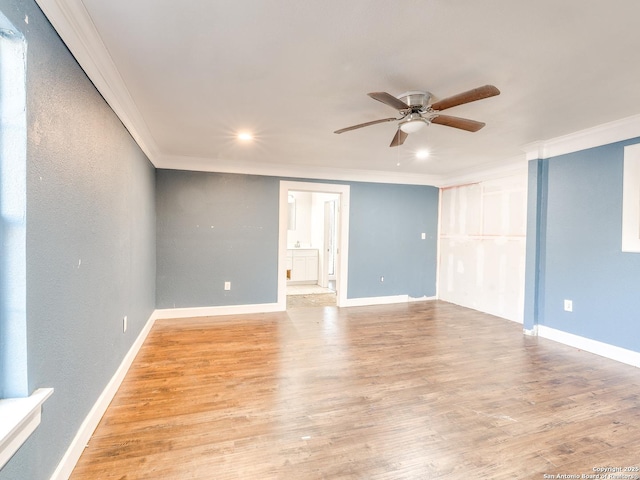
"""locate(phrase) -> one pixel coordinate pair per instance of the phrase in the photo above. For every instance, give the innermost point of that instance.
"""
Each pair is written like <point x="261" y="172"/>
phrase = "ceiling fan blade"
<point x="466" y="97"/>
<point x="399" y="138"/>
<point x="389" y="99"/>
<point x="366" y="124"/>
<point x="457" y="122"/>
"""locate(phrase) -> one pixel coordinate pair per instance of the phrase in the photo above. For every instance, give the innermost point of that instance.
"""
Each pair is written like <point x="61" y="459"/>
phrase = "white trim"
<point x="74" y="25"/>
<point x="190" y="312"/>
<point x="604" y="134"/>
<point x="421" y="299"/>
<point x="343" y="235"/>
<point x="485" y="172"/>
<point x="370" y="301"/>
<point x="491" y="171"/>
<point x="79" y="442"/>
<point x="19" y="417"/>
<point x="593" y="346"/>
<point x="631" y="199"/>
<point x="204" y="164"/>
<point x="439" y="243"/>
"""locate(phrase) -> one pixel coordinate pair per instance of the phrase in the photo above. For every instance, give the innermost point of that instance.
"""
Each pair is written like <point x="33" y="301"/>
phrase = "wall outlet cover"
<point x="568" y="306"/>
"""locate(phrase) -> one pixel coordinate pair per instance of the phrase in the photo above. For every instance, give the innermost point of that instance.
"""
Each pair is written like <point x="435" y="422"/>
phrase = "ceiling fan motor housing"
<point x="415" y="99"/>
<point x="413" y="119"/>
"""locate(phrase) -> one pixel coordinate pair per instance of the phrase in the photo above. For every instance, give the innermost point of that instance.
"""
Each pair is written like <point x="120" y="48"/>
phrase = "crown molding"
<point x="75" y="26"/>
<point x="597" y="136"/>
<point x="485" y="172"/>
<point x="488" y="171"/>
<point x="202" y="164"/>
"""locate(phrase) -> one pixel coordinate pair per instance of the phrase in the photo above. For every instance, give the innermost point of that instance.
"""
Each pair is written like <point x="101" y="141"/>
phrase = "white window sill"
<point x="19" y="417"/>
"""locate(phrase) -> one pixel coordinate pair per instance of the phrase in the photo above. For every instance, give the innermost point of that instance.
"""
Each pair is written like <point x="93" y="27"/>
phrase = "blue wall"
<point x="194" y="259"/>
<point x="386" y="223"/>
<point x="214" y="228"/>
<point x="579" y="248"/>
<point x="90" y="253"/>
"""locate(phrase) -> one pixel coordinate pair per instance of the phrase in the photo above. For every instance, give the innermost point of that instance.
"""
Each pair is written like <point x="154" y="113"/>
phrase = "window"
<point x="13" y="355"/>
<point x="19" y="411"/>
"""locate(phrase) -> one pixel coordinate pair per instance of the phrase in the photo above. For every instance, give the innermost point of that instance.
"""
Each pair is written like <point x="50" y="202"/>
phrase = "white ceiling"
<point x="185" y="76"/>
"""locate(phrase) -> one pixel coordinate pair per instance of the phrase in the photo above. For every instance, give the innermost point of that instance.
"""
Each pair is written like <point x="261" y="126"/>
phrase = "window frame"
<point x="20" y="415"/>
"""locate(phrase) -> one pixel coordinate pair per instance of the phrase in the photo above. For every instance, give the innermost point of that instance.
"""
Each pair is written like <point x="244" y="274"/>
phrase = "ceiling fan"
<point x="416" y="111"/>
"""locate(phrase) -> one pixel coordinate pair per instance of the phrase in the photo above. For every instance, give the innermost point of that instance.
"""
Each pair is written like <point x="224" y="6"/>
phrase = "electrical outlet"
<point x="568" y="305"/>
<point x="124" y="324"/>
<point x="382" y="279"/>
<point x="424" y="236"/>
<point x="227" y="285"/>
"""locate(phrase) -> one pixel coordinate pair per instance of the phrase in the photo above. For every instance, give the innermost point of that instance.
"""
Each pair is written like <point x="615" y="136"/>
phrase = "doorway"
<point x="312" y="248"/>
<point x="321" y="257"/>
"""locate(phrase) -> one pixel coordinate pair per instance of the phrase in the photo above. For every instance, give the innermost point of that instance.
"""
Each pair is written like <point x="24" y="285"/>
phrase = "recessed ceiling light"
<point x="245" y="136"/>
<point x="422" y="154"/>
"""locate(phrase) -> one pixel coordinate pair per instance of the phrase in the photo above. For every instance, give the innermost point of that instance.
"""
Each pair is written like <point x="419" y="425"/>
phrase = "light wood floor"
<point x="412" y="391"/>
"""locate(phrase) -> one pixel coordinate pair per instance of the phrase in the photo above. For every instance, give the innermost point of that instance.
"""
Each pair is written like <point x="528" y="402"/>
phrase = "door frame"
<point x="342" y="264"/>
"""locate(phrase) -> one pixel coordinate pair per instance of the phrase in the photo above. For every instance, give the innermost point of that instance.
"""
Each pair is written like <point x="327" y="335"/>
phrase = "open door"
<point x="340" y="235"/>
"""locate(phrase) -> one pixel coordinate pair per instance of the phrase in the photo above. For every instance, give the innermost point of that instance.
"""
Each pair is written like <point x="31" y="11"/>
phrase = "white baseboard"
<point x="78" y="444"/>
<point x="593" y="346"/>
<point x="421" y="299"/>
<point x="165" y="313"/>
<point x="367" y="301"/>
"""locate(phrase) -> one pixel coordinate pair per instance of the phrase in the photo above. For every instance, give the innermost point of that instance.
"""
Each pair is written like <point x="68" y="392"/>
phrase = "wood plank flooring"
<point x="424" y="390"/>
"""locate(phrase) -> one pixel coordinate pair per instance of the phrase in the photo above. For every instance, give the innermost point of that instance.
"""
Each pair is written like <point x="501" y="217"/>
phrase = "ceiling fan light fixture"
<point x="413" y="123"/>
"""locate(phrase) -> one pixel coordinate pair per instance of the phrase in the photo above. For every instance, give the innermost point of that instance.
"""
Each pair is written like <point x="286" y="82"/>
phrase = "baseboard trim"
<point x="422" y="299"/>
<point x="593" y="346"/>
<point x="78" y="444"/>
<point x="217" y="311"/>
<point x="368" y="301"/>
